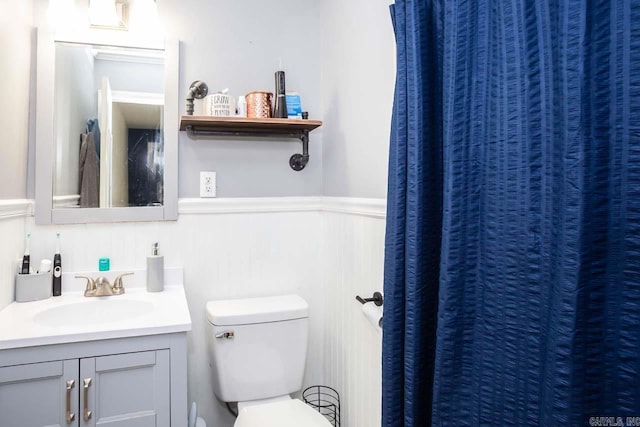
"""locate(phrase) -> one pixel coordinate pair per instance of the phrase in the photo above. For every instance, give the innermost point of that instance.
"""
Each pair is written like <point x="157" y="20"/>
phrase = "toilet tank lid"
<point x="256" y="310"/>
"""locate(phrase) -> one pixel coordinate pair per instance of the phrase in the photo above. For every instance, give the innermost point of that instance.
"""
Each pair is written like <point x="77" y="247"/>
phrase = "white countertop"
<point x="164" y="312"/>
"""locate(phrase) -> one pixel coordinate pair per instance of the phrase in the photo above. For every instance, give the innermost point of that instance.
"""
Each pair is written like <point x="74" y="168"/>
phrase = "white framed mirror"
<point x="106" y="131"/>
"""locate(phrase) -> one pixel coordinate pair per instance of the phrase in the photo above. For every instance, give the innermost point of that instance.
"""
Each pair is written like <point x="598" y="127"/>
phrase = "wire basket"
<point x="325" y="400"/>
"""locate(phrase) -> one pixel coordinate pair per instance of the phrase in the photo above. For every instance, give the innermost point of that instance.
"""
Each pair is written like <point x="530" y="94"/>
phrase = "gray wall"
<point x="129" y="76"/>
<point x="358" y="77"/>
<point x="239" y="45"/>
<point x="339" y="55"/>
<point x="15" y="64"/>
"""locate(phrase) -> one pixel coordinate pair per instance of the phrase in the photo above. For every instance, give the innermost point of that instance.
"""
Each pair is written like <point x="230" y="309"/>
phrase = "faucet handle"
<point x="118" y="287"/>
<point x="91" y="285"/>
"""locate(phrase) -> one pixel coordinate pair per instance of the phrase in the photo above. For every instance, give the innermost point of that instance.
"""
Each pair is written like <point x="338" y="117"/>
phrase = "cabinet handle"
<point x="70" y="415"/>
<point x="87" y="412"/>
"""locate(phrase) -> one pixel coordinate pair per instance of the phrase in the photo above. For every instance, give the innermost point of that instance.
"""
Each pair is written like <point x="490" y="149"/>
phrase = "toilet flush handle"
<point x="227" y="335"/>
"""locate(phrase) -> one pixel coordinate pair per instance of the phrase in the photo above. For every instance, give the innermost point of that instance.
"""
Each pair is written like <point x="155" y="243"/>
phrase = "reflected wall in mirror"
<point x="108" y="120"/>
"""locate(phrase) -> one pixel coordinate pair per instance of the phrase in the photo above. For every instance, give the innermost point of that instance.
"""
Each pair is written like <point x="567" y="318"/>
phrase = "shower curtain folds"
<point x="512" y="256"/>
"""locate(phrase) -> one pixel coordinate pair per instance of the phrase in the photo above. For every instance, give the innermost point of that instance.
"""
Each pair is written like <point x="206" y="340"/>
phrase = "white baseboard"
<point x="248" y="205"/>
<point x="375" y="208"/>
<point x="14" y="208"/>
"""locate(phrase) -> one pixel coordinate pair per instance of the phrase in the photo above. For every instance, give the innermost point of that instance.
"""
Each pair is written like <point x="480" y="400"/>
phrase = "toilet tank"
<point x="257" y="346"/>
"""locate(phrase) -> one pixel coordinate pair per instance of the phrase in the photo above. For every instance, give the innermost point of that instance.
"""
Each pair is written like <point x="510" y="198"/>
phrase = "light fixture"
<point x="111" y="14"/>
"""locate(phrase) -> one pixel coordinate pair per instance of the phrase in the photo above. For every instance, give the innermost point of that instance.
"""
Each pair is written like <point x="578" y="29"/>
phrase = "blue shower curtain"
<point x="512" y="260"/>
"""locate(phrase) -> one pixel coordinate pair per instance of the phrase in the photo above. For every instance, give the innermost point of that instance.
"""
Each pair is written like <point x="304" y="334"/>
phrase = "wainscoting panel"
<point x="225" y="255"/>
<point x="328" y="250"/>
<point x="353" y="249"/>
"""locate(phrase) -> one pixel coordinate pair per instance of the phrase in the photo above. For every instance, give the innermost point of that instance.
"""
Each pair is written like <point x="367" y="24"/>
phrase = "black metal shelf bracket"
<point x="197" y="90"/>
<point x="297" y="161"/>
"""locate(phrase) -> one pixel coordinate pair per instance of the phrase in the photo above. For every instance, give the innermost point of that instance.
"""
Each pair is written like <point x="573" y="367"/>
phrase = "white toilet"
<point x="258" y="350"/>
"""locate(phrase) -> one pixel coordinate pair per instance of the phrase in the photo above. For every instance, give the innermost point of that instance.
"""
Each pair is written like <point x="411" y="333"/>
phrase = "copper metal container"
<point x="259" y="104"/>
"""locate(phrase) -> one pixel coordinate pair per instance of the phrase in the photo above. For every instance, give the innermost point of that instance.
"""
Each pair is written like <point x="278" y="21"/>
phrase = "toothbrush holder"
<point x="33" y="287"/>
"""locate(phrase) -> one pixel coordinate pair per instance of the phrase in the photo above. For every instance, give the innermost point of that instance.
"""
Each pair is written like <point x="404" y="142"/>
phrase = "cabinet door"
<point x="125" y="390"/>
<point x="39" y="394"/>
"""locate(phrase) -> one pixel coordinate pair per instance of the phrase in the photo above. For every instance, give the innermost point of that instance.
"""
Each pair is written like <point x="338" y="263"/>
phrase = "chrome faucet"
<point x="101" y="287"/>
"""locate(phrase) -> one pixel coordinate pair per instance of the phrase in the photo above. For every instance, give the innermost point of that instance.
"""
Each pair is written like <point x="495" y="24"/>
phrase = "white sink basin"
<point x="93" y="312"/>
<point x="72" y="317"/>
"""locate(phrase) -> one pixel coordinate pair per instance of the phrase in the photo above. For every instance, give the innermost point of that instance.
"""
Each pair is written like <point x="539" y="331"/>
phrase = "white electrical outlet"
<point x="207" y="184"/>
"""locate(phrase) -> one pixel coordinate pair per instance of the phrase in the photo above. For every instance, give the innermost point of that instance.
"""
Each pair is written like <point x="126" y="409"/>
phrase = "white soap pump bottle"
<point x="155" y="271"/>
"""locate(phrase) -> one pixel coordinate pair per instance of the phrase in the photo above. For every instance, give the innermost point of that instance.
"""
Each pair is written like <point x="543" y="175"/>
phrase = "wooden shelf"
<point x="207" y="126"/>
<point x="247" y="125"/>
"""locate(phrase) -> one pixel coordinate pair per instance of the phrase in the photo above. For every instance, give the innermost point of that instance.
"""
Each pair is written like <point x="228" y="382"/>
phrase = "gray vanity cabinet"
<point x="121" y="390"/>
<point x="126" y="390"/>
<point x="111" y="389"/>
<point x="35" y="394"/>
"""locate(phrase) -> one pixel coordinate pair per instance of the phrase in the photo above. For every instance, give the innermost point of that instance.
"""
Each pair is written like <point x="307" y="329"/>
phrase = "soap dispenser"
<point x="155" y="270"/>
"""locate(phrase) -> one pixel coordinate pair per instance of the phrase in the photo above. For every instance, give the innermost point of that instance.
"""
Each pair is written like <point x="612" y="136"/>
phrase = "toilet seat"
<point x="289" y="413"/>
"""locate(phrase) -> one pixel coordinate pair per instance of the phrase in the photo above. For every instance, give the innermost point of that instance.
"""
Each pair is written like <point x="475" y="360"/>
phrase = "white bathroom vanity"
<point x="118" y="361"/>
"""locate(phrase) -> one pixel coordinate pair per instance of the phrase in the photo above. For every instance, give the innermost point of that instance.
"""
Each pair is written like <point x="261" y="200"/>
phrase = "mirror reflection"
<point x="109" y="104"/>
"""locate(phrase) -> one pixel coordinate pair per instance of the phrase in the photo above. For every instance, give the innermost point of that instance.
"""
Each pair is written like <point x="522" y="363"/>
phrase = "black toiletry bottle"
<point x="280" y="108"/>
<point x="57" y="269"/>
